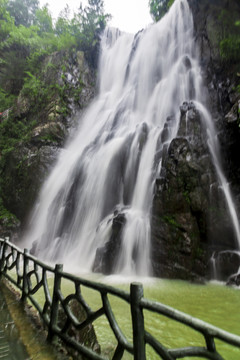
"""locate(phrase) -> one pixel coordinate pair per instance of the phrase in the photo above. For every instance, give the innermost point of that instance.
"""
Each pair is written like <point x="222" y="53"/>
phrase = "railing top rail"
<point x="195" y="323"/>
<point x="102" y="288"/>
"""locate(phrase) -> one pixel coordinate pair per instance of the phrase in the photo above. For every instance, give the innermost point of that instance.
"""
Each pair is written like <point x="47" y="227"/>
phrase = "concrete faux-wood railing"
<point x="31" y="275"/>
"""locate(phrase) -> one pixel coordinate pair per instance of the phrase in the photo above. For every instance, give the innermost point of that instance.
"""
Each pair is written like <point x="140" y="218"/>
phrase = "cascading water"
<point x="111" y="165"/>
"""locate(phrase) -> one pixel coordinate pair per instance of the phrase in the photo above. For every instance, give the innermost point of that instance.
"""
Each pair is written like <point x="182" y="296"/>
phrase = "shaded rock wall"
<point x="213" y="22"/>
<point x="190" y="219"/>
<point x="30" y="162"/>
<point x="182" y="204"/>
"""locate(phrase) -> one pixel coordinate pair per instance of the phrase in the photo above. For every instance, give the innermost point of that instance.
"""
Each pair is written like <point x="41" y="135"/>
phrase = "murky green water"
<point x="216" y="304"/>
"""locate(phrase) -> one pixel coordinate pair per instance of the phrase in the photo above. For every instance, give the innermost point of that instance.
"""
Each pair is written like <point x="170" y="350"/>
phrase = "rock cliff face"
<point x="30" y="163"/>
<point x="184" y="206"/>
<point x="213" y="21"/>
<point x="190" y="220"/>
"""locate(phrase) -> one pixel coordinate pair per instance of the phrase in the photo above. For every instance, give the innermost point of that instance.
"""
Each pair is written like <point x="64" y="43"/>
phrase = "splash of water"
<point x="111" y="165"/>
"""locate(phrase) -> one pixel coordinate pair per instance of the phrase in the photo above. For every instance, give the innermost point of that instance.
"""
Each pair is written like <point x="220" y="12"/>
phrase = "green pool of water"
<point x="214" y="303"/>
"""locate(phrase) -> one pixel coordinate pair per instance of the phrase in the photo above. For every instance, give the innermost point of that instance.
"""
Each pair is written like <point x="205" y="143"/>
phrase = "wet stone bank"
<point x="21" y="334"/>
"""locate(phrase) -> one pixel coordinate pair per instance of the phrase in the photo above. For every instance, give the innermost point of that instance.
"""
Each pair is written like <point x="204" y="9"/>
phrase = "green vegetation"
<point x="30" y="42"/>
<point x="171" y="221"/>
<point x="6" y="217"/>
<point x="27" y="35"/>
<point x="230" y="37"/>
<point x="230" y="43"/>
<point x="158" y="8"/>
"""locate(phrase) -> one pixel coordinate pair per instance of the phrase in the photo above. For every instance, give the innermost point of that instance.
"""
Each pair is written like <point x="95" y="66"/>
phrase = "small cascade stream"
<point x="109" y="169"/>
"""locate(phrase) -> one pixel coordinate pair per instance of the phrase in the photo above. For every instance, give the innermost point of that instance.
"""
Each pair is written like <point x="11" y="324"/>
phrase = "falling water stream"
<point x="110" y="166"/>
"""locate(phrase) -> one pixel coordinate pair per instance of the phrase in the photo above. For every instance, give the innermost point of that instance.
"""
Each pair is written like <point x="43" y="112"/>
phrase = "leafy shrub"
<point x="34" y="88"/>
<point x="158" y="8"/>
<point x="6" y="100"/>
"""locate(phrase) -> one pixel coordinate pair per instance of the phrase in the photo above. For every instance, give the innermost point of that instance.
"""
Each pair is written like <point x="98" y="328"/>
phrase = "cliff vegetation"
<point x="47" y="69"/>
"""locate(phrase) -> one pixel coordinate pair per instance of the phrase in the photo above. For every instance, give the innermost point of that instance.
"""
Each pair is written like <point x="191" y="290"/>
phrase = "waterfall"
<point x="109" y="168"/>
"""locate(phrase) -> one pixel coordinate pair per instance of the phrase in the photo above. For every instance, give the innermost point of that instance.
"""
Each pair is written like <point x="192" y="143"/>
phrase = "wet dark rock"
<point x="176" y="230"/>
<point x="187" y="62"/>
<point x="53" y="133"/>
<point x="233" y="114"/>
<point x="227" y="263"/>
<point x="221" y="78"/>
<point x="234" y="280"/>
<point x="183" y="210"/>
<point x="184" y="108"/>
<point x="34" y="248"/>
<point x="107" y="255"/>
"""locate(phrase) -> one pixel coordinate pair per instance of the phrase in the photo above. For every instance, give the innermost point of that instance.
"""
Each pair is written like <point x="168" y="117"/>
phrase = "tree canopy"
<point x="27" y="32"/>
<point x="158" y="8"/>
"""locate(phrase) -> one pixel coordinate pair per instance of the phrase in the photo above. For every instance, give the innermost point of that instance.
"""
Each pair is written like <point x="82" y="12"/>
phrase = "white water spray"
<point x="110" y="167"/>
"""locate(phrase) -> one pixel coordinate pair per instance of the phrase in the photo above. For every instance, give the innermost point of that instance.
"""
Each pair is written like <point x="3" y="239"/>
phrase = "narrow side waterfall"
<point x="106" y="174"/>
<point x="215" y="152"/>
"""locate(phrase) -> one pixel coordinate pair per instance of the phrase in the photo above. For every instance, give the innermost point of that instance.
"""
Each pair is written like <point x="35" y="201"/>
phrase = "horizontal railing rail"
<point x="56" y="311"/>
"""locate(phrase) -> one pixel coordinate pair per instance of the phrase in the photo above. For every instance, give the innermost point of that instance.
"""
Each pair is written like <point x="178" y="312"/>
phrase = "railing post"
<point x="2" y="259"/>
<point x="25" y="271"/>
<point x="55" y="301"/>
<point x="136" y="294"/>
